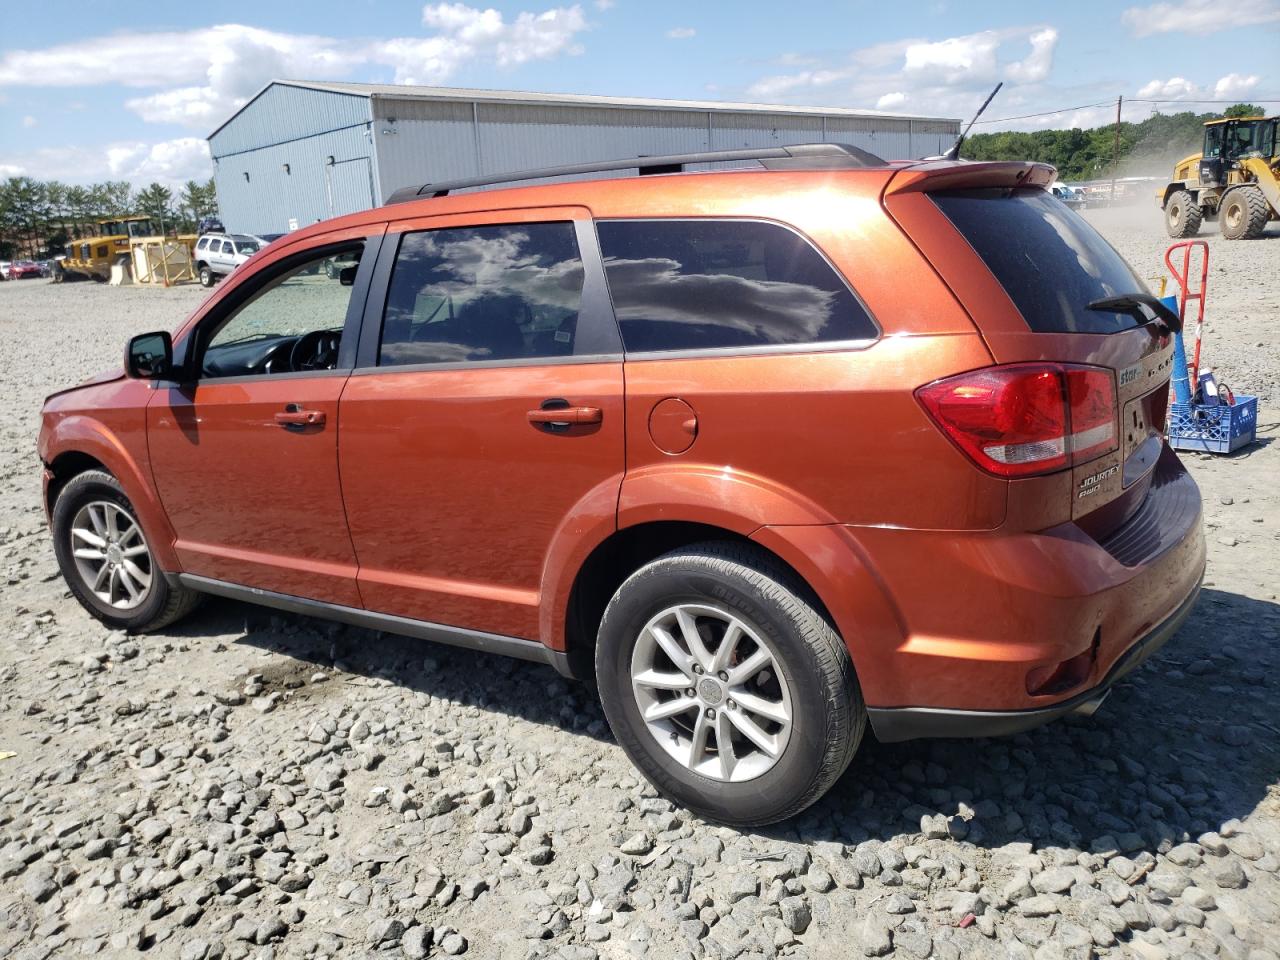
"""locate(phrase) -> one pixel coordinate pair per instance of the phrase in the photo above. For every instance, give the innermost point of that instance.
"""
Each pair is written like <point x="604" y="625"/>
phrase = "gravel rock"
<point x="1039" y="906"/>
<point x="877" y="937"/>
<point x="200" y="792"/>
<point x="637" y="845"/>
<point x="796" y="915"/>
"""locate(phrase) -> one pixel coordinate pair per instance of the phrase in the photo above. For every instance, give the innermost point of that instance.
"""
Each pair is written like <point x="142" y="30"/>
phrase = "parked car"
<point x="217" y="254"/>
<point x="767" y="455"/>
<point x="24" y="270"/>
<point x="1072" y="197"/>
<point x="4" y="269"/>
<point x="210" y="225"/>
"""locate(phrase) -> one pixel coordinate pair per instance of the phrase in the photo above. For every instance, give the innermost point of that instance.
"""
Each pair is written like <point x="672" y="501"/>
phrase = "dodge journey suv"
<point x="768" y="455"/>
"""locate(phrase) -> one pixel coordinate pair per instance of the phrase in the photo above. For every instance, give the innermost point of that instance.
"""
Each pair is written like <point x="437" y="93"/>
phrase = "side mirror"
<point x="149" y="356"/>
<point x="347" y="276"/>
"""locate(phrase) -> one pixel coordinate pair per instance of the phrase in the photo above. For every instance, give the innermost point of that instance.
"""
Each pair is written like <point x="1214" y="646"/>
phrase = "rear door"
<point x="1044" y="265"/>
<point x="485" y="415"/>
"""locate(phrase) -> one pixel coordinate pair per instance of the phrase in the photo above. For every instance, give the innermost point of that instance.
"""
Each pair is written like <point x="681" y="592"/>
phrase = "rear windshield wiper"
<point x="1133" y="304"/>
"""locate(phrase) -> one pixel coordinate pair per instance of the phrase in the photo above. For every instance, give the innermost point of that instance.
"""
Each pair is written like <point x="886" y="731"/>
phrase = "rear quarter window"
<point x="1049" y="260"/>
<point x="715" y="284"/>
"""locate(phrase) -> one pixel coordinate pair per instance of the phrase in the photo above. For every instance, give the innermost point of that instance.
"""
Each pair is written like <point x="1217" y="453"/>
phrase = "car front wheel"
<point x="726" y="687"/>
<point x="106" y="560"/>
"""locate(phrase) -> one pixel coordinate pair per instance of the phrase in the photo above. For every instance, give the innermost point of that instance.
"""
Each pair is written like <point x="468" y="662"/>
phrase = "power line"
<point x="1107" y="103"/>
<point x="1191" y="100"/>
<point x="1048" y="113"/>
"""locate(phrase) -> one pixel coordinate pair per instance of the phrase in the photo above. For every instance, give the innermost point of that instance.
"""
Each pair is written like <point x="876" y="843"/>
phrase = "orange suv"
<point x="767" y="454"/>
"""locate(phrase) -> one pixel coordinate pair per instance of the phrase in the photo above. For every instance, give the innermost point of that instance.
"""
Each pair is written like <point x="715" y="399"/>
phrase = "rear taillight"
<point x="1025" y="419"/>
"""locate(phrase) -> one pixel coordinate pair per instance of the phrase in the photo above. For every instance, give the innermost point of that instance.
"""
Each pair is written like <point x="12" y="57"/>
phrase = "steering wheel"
<point x="317" y="350"/>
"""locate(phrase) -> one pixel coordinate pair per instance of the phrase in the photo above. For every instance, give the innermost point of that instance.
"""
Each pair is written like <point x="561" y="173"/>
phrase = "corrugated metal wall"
<point x="256" y="194"/>
<point x="421" y="142"/>
<point x="282" y="113"/>
<point x="301" y="128"/>
<point x="396" y="143"/>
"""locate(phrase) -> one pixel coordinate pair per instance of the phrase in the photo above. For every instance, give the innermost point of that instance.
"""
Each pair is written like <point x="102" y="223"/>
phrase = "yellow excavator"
<point x="1236" y="178"/>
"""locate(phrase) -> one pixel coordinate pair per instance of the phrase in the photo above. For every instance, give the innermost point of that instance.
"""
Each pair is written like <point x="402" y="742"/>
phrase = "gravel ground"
<point x="250" y="784"/>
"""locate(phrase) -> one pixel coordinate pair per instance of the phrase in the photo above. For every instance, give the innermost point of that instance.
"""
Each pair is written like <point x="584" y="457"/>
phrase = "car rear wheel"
<point x="1182" y="215"/>
<point x="206" y="277"/>
<point x="726" y="687"/>
<point x="106" y="559"/>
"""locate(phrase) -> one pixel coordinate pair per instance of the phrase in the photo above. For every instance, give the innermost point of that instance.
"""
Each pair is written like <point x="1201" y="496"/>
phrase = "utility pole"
<point x="1115" y="150"/>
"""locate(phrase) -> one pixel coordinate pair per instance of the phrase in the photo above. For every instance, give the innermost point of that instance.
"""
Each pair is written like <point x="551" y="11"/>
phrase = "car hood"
<point x="106" y="376"/>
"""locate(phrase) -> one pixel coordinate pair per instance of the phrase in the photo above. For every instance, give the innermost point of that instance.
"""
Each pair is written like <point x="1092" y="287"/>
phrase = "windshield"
<point x="1047" y="257"/>
<point x="246" y="245"/>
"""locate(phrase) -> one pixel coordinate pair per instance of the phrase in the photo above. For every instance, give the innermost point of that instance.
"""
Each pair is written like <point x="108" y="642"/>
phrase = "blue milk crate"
<point x="1213" y="429"/>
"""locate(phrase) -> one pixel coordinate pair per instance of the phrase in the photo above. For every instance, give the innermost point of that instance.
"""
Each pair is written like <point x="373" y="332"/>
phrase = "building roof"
<point x="391" y="91"/>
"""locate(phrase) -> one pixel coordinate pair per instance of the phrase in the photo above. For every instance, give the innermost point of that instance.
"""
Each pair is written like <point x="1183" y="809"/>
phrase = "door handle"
<point x="565" y="416"/>
<point x="294" y="416"/>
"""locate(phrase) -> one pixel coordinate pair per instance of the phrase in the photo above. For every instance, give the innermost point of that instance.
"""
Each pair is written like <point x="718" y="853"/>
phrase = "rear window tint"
<point x="708" y="284"/>
<point x="1049" y="260"/>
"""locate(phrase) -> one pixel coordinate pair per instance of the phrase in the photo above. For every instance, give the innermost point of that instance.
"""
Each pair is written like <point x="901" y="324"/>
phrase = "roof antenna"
<point x="954" y="152"/>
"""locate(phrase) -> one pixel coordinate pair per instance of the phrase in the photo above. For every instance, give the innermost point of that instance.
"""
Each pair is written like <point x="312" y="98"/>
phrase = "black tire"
<point x="1244" y="213"/>
<point x="162" y="603"/>
<point x="206" y="276"/>
<point x="828" y="713"/>
<point x="1182" y="215"/>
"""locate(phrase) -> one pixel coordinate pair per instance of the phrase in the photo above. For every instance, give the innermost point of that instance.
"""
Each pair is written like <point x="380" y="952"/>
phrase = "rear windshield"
<point x="1045" y="255"/>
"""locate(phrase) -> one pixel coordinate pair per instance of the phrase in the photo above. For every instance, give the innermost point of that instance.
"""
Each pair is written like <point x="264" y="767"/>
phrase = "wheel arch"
<point x="1178" y="186"/>
<point x="79" y="443"/>
<point x="628" y="549"/>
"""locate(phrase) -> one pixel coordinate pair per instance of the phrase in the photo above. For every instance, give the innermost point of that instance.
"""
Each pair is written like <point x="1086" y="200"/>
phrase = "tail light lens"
<point x="1026" y="419"/>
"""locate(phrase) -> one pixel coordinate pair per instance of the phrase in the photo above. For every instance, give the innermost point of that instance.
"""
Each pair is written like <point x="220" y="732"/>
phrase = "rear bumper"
<point x="986" y="616"/>
<point x="894" y="724"/>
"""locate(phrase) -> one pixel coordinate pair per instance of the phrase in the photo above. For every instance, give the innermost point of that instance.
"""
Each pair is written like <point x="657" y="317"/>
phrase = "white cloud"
<point x="170" y="162"/>
<point x="1036" y="66"/>
<point x="1200" y="16"/>
<point x="465" y="33"/>
<point x="681" y="33"/>
<point x="605" y="4"/>
<point x="1175" y="88"/>
<point x="201" y="76"/>
<point x="955" y="59"/>
<point x="28" y="121"/>
<point x="947" y="77"/>
<point x="1234" y="85"/>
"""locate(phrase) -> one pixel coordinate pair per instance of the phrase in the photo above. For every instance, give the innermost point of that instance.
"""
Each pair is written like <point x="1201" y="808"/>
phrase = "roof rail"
<point x="804" y="156"/>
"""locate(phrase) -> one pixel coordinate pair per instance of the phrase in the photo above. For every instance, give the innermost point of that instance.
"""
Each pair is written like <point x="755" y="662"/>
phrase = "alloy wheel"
<point x="111" y="554"/>
<point x="711" y="693"/>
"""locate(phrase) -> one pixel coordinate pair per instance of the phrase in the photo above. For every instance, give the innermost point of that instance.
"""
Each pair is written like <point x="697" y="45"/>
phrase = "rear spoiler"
<point x="967" y="174"/>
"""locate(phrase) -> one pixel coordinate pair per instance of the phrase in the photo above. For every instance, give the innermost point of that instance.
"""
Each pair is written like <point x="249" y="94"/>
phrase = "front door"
<point x="457" y="469"/>
<point x="244" y="452"/>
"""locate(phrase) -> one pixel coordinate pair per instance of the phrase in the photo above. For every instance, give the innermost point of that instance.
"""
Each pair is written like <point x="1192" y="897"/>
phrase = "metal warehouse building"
<point x="299" y="151"/>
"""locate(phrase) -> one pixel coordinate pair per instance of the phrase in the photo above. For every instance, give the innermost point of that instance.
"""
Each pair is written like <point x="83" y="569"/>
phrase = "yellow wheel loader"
<point x="1235" y="178"/>
<point x="92" y="257"/>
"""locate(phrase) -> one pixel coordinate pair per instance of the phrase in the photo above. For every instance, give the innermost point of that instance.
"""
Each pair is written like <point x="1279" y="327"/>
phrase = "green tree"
<point x="80" y="210"/>
<point x="23" y="214"/>
<point x="197" y="200"/>
<point x="156" y="202"/>
<point x="1244" y="110"/>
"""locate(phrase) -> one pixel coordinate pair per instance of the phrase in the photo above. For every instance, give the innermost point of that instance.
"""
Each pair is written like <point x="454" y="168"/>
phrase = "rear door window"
<point x="715" y="284"/>
<point x="1049" y="260"/>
